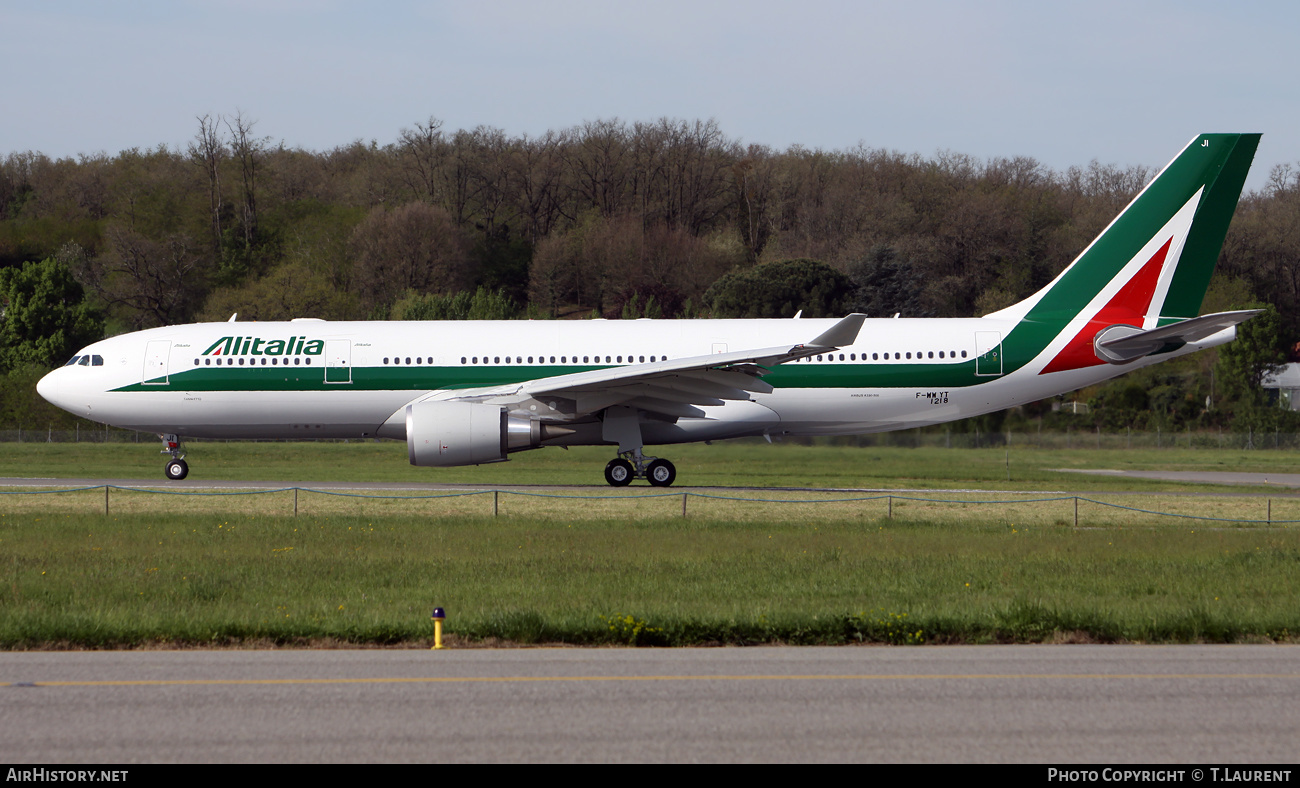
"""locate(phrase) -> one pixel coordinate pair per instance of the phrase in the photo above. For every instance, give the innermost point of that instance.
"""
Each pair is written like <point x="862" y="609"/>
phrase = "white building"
<point x="1287" y="384"/>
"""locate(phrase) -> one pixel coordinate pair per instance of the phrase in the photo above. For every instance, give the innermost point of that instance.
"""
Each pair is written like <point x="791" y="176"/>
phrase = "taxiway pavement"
<point x="1038" y="703"/>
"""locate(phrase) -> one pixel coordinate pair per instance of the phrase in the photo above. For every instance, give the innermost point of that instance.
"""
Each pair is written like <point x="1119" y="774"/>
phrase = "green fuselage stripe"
<point x="815" y="375"/>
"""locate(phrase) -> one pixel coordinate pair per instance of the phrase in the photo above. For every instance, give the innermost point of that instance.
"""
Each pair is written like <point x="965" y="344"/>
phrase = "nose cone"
<point x="48" y="387"/>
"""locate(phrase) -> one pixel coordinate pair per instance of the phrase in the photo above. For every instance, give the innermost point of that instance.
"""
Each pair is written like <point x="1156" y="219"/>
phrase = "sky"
<point x="1065" y="83"/>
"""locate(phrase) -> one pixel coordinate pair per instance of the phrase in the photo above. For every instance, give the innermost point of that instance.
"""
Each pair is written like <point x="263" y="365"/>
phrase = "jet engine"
<point x="469" y="433"/>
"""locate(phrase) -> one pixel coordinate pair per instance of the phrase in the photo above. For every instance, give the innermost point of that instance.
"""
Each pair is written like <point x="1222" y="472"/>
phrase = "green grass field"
<point x="86" y="580"/>
<point x="242" y="570"/>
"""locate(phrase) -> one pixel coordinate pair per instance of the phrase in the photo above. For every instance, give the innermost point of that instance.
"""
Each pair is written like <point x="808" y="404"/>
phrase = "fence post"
<point x="1270" y="511"/>
<point x="494" y="502"/>
<point x="684" y="503"/>
<point x="1076" y="511"/>
<point x="105" y="500"/>
<point x="891" y="506"/>
<point x="295" y="502"/>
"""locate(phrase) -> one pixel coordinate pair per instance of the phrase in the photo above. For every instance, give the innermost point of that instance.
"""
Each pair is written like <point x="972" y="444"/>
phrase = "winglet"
<point x="842" y="333"/>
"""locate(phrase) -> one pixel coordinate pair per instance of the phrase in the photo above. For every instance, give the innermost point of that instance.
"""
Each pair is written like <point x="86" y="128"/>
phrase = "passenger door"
<point x="156" y="355"/>
<point x="338" y="361"/>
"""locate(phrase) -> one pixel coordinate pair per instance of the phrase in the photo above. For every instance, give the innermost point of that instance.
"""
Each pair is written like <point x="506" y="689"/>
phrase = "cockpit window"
<point x="96" y="361"/>
<point x="72" y="361"/>
<point x="84" y="362"/>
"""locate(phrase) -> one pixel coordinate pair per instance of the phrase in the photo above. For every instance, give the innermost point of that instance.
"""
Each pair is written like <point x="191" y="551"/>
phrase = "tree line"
<point x="666" y="218"/>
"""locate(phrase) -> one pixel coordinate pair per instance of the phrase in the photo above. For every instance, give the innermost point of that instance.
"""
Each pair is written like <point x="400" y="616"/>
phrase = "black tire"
<point x="177" y="470"/>
<point x="619" y="473"/>
<point x="661" y="473"/>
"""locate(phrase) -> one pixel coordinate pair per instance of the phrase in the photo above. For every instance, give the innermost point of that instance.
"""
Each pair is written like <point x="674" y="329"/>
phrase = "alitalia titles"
<point x="256" y="346"/>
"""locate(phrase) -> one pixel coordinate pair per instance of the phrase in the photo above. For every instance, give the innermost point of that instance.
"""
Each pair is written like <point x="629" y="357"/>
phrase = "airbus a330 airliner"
<point x="466" y="393"/>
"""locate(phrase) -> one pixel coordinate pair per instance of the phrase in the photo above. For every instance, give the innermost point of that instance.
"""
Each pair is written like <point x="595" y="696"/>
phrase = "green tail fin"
<point x="1182" y="215"/>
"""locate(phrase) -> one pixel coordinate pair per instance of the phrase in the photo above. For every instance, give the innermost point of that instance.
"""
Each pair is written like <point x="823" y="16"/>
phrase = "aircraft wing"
<point x="673" y="388"/>
<point x="1127" y="346"/>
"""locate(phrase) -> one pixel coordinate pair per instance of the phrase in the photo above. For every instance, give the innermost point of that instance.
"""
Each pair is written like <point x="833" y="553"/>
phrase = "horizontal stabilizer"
<point x="1120" y="344"/>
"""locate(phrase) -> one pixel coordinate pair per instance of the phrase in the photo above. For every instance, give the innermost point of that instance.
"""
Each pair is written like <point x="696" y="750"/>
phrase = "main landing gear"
<point x="176" y="468"/>
<point x="634" y="465"/>
<point x="621" y="424"/>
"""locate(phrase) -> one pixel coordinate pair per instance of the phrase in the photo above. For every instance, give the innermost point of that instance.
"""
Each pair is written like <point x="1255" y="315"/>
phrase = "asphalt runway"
<point x="979" y="704"/>
<point x="1201" y="477"/>
<point x="199" y="484"/>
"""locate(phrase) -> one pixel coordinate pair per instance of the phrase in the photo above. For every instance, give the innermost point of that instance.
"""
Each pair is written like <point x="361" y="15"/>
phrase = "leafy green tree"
<point x="781" y="289"/>
<point x="45" y="315"/>
<point x="886" y="285"/>
<point x="288" y="291"/>
<point x="1256" y="353"/>
<point x="1120" y="404"/>
<point x="482" y="304"/>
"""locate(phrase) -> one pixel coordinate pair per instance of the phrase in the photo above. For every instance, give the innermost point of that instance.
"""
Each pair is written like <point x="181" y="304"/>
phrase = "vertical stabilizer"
<point x="1150" y="267"/>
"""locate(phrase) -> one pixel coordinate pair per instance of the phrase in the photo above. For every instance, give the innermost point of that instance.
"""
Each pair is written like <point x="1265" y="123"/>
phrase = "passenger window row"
<point x="563" y="360"/>
<point x="252" y="362"/>
<point x="898" y="356"/>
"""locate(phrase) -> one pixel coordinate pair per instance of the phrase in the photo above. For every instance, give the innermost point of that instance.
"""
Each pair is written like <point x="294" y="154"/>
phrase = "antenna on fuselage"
<point x="232" y="318"/>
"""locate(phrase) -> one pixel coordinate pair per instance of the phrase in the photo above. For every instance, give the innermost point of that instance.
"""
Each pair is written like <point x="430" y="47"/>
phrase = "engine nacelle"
<point x="469" y="433"/>
<point x="455" y="433"/>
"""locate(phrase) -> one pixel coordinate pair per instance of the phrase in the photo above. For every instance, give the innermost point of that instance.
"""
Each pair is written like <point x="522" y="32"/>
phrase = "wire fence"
<point x="1036" y="439"/>
<point x="890" y="500"/>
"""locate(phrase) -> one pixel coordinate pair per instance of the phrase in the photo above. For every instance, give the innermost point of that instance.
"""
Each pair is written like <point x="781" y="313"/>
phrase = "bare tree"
<point x="539" y="172"/>
<point x="422" y="151"/>
<point x="147" y="282"/>
<point x="248" y="150"/>
<point x="598" y="165"/>
<point x="208" y="150"/>
<point x="415" y="247"/>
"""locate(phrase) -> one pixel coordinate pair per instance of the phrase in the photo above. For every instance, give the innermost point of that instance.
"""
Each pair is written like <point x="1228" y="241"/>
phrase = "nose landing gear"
<point x="176" y="468"/>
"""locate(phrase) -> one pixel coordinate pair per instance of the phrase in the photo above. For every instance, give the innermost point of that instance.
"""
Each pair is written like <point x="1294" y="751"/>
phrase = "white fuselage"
<point x="317" y="379"/>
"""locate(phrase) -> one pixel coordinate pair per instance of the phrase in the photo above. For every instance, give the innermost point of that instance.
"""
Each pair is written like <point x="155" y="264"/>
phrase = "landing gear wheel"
<point x="618" y="473"/>
<point x="661" y="473"/>
<point x="177" y="470"/>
